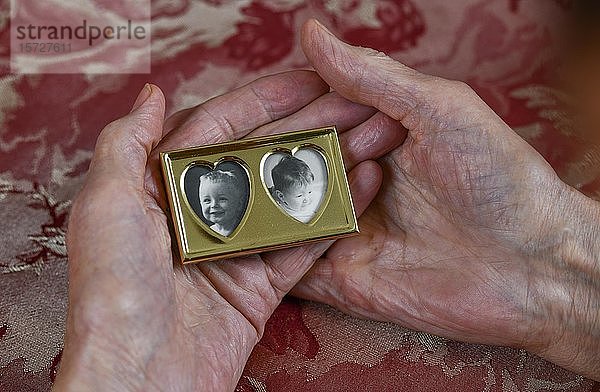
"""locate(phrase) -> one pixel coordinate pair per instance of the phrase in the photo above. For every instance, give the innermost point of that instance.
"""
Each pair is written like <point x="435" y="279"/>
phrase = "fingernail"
<point x="142" y="97"/>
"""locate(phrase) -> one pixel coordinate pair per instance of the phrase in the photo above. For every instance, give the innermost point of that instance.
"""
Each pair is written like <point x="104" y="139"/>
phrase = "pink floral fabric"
<point x="505" y="49"/>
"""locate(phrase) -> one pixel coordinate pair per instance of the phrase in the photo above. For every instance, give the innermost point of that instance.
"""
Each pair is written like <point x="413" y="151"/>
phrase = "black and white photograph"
<point x="218" y="196"/>
<point x="297" y="182"/>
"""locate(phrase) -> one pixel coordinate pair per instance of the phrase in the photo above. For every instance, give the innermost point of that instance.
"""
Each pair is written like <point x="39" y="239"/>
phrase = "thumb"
<point x="123" y="146"/>
<point x="365" y="76"/>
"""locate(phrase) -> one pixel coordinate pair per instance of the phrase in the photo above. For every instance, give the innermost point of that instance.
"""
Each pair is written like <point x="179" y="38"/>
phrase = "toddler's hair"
<point x="220" y="176"/>
<point x="289" y="172"/>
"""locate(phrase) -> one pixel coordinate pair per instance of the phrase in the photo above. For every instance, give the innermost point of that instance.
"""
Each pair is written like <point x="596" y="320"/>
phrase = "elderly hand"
<point x="472" y="236"/>
<point x="136" y="322"/>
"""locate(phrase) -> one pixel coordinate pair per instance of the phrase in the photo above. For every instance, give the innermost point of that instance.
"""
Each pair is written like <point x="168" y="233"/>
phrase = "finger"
<point x="123" y="146"/>
<point x="345" y="261"/>
<point x="286" y="267"/>
<point x="233" y="115"/>
<point x="371" y="78"/>
<point x="177" y="119"/>
<point x="371" y="139"/>
<point x="328" y="109"/>
<point x="316" y="284"/>
<point x="364" y="133"/>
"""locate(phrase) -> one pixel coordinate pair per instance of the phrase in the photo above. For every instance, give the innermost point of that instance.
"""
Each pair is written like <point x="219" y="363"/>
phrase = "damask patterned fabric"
<point x="505" y="49"/>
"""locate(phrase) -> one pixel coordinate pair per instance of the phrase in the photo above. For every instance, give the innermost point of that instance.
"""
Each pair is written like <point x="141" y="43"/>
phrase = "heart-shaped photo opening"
<point x="218" y="195"/>
<point x="297" y="181"/>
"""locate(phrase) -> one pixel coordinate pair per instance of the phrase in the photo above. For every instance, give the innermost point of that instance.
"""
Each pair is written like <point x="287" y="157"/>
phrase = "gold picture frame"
<point x="258" y="194"/>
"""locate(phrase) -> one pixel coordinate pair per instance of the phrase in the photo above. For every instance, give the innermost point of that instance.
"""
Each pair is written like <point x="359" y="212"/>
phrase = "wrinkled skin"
<point x="472" y="236"/>
<point x="136" y="321"/>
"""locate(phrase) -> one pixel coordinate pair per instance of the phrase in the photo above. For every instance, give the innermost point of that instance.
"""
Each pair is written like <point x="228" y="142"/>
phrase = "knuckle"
<point x="460" y="88"/>
<point x="108" y="134"/>
<point x="111" y="128"/>
<point x="375" y="54"/>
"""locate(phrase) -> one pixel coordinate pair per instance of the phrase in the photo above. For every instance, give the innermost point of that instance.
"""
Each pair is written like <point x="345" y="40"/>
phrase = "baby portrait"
<point x="219" y="197"/>
<point x="297" y="183"/>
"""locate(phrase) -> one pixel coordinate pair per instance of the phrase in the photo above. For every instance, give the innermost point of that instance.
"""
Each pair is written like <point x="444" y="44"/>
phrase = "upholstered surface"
<point x="507" y="50"/>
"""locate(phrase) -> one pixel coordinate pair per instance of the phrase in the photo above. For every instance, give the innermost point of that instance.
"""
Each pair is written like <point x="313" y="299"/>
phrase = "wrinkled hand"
<point x="473" y="236"/>
<point x="136" y="321"/>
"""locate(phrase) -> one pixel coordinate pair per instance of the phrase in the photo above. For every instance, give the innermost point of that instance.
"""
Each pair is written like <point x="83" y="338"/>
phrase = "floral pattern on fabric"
<point x="505" y="49"/>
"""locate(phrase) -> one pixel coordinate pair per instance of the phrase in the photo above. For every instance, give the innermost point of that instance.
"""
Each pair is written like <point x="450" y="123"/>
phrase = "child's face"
<point x="220" y="202"/>
<point x="297" y="197"/>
